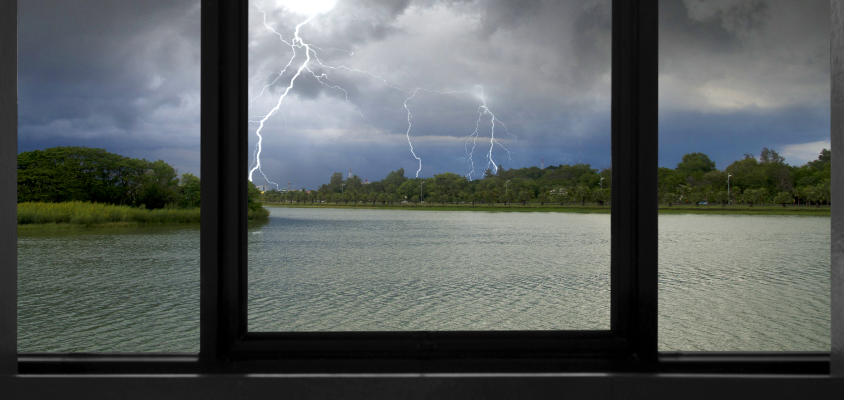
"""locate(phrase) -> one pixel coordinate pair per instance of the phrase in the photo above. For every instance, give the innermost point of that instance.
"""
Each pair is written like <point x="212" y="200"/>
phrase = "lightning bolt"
<point x="483" y="109"/>
<point x="311" y="55"/>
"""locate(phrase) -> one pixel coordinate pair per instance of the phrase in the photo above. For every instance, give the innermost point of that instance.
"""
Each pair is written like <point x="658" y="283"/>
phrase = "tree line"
<point x="695" y="180"/>
<point x="68" y="174"/>
<point x="766" y="179"/>
<point x="554" y="184"/>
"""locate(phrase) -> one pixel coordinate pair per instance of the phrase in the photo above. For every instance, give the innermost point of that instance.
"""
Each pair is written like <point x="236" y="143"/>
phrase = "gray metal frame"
<point x="8" y="186"/>
<point x="837" y="138"/>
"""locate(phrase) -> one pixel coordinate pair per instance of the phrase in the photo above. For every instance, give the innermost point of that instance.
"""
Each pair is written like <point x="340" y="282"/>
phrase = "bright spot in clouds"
<point x="307" y="7"/>
<point x="723" y="97"/>
<point x="799" y="154"/>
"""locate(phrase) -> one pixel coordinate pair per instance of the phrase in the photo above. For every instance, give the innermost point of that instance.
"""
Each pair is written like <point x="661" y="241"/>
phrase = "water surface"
<point x="726" y="282"/>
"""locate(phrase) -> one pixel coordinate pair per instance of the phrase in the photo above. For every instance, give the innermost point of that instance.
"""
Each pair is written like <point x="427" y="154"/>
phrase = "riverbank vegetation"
<point x="81" y="186"/>
<point x="749" y="183"/>
<point x="79" y="213"/>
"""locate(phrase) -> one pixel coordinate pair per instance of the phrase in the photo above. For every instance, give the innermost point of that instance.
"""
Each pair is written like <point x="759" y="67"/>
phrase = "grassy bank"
<point x="76" y="214"/>
<point x="590" y="208"/>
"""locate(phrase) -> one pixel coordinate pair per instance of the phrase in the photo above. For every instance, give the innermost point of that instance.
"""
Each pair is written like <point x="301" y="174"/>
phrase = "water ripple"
<point x="725" y="282"/>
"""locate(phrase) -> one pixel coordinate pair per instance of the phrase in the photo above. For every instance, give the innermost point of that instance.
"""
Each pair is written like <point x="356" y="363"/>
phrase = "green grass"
<point x="77" y="213"/>
<point x="261" y="214"/>
<point x="589" y="208"/>
<point x="747" y="210"/>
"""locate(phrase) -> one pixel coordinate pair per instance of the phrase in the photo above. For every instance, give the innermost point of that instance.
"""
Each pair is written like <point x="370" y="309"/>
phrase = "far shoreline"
<point x="804" y="211"/>
<point x="589" y="208"/>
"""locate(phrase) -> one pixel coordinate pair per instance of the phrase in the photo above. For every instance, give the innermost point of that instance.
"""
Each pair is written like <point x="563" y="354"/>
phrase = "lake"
<point x="740" y="283"/>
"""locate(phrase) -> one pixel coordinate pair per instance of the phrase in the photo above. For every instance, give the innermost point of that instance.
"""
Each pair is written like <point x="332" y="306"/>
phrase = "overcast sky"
<point x="735" y="76"/>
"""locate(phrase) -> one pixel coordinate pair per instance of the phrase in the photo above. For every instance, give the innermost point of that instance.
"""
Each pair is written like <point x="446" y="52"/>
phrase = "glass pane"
<point x="744" y="176"/>
<point x="390" y="143"/>
<point x="108" y="160"/>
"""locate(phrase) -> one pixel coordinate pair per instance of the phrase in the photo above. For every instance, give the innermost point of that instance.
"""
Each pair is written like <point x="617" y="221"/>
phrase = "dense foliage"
<point x="556" y="184"/>
<point x="62" y="174"/>
<point x="696" y="179"/>
<point x="88" y="179"/>
<point x="751" y="180"/>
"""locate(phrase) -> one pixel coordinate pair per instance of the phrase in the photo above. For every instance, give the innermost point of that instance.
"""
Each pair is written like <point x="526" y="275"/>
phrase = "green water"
<point x="726" y="282"/>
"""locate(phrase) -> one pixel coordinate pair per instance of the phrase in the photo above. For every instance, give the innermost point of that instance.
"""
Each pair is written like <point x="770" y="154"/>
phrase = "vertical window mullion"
<point x="634" y="153"/>
<point x="223" y="231"/>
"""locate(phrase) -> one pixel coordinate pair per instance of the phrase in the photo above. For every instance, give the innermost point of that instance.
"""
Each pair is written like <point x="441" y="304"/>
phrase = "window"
<point x="727" y="91"/>
<point x="224" y="155"/>
<point x="491" y="110"/>
<point x="632" y="331"/>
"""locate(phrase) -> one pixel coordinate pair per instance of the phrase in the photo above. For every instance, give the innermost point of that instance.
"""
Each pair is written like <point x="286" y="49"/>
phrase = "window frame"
<point x="631" y="342"/>
<point x="630" y="345"/>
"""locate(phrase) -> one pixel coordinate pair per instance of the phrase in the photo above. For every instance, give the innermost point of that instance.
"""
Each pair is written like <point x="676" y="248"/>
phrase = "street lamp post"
<point x="602" y="183"/>
<point x="505" y="187"/>
<point x="342" y="187"/>
<point x="729" y="197"/>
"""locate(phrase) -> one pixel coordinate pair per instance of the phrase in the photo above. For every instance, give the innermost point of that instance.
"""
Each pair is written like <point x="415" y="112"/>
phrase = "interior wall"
<point x="8" y="186"/>
<point x="837" y="139"/>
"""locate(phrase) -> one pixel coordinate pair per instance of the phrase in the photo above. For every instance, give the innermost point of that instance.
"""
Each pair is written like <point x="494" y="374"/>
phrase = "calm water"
<point x="363" y="270"/>
<point x="726" y="282"/>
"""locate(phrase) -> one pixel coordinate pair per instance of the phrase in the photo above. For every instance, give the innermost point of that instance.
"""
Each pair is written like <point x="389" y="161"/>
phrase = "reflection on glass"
<point x="744" y="177"/>
<point x="387" y="140"/>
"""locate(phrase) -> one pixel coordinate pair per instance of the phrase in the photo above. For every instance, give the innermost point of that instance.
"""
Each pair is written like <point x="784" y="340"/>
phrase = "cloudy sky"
<point x="735" y="76"/>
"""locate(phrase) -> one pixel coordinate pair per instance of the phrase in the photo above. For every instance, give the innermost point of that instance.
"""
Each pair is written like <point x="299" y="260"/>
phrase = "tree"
<point x="253" y="195"/>
<point x="783" y="198"/>
<point x="668" y="179"/>
<point x="751" y="196"/>
<point x="395" y="178"/>
<point x="695" y="164"/>
<point x="353" y="183"/>
<point x="189" y="189"/>
<point x="720" y="197"/>
<point x="695" y="196"/>
<point x="524" y="197"/>
<point x="336" y="180"/>
<point x="581" y="193"/>
<point x="600" y="196"/>
<point x="79" y="174"/>
<point x="771" y="156"/>
<point x="824" y="191"/>
<point x="160" y="186"/>
<point x="824" y="159"/>
<point x="544" y="195"/>
<point x="683" y="193"/>
<point x="812" y="195"/>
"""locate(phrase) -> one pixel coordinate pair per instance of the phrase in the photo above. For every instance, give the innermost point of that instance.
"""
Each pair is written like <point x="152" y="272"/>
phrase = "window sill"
<point x="487" y="386"/>
<point x="689" y="363"/>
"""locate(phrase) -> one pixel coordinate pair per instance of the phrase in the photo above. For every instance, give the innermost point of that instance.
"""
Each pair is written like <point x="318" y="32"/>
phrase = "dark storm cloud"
<point x="735" y="76"/>
<point x="742" y="67"/>
<point x="122" y="74"/>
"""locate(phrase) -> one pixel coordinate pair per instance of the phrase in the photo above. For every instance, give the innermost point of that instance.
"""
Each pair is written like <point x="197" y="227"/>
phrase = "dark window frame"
<point x="630" y="346"/>
<point x="631" y="342"/>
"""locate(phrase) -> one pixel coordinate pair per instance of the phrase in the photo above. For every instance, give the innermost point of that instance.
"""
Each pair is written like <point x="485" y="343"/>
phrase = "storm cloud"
<point x="735" y="76"/>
